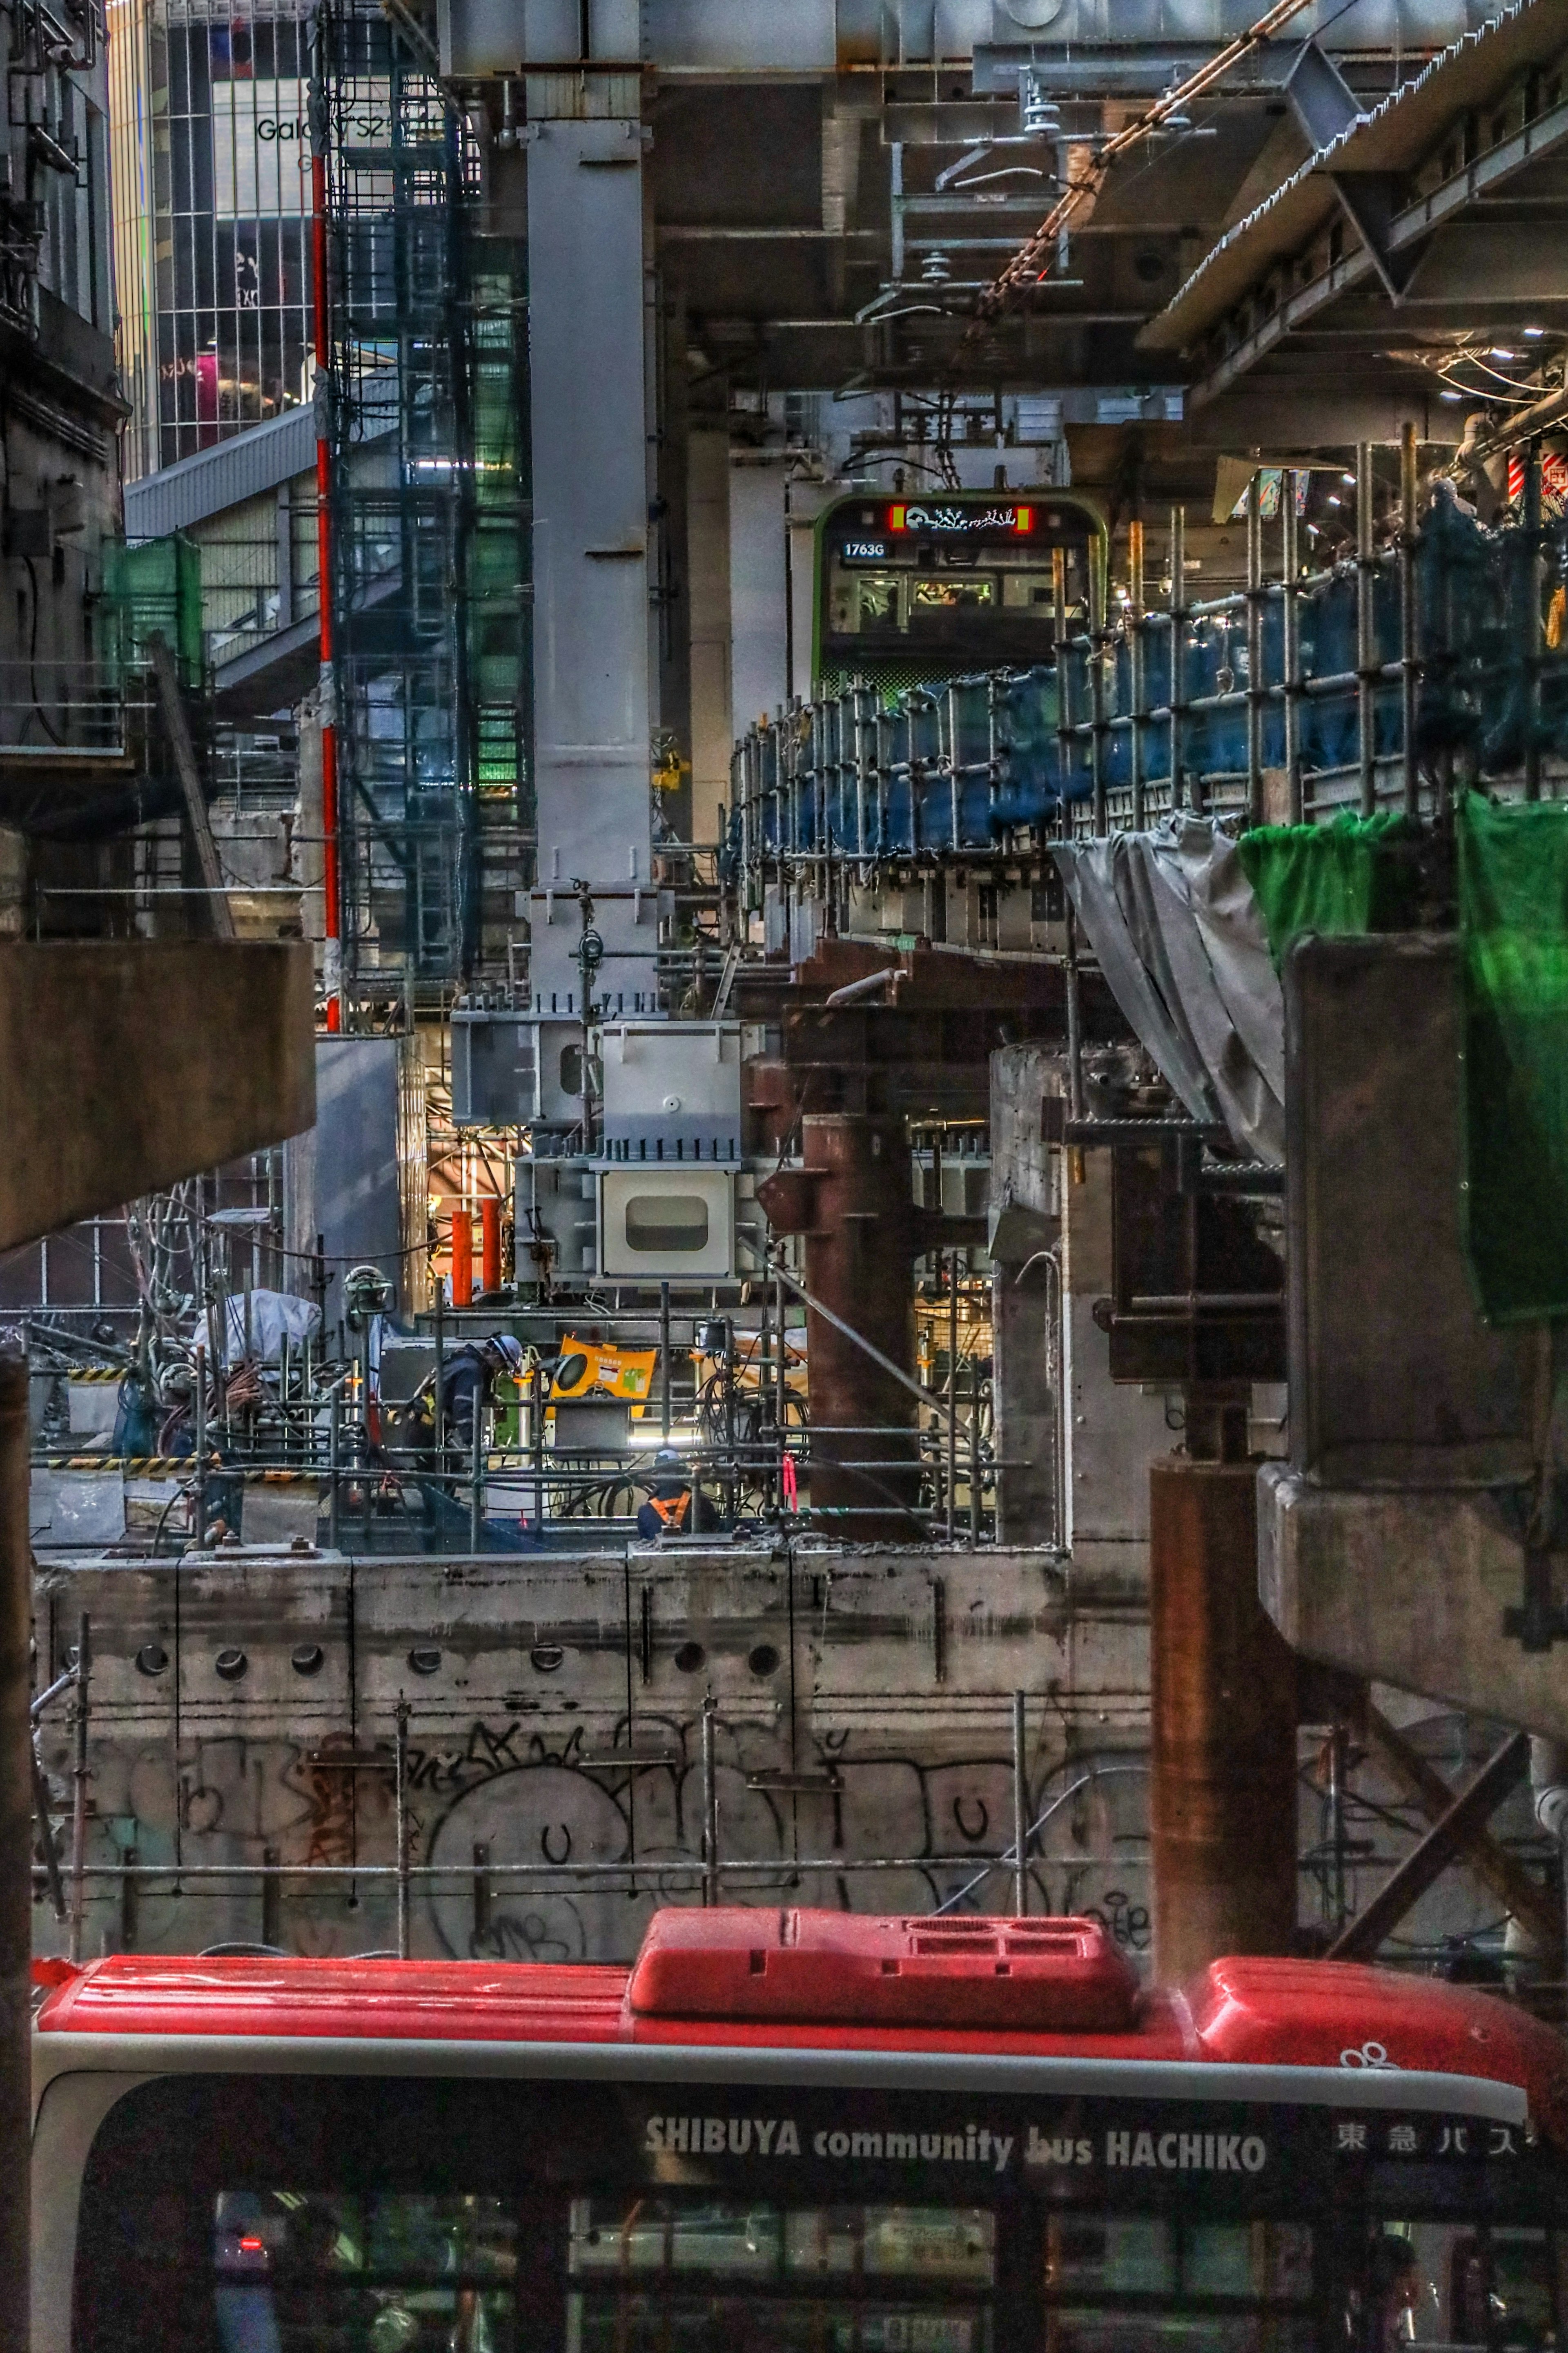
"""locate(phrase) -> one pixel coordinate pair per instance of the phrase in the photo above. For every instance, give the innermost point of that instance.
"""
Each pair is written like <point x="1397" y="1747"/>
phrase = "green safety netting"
<point x="1347" y="876"/>
<point x="155" y="584"/>
<point x="1513" y="930"/>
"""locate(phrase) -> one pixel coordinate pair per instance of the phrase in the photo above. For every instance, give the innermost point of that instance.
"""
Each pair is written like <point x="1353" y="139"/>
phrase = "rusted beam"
<point x="125" y="1065"/>
<point x="220" y="913"/>
<point x="1222" y="1818"/>
<point x="1474" y="1804"/>
<point x="1501" y="1872"/>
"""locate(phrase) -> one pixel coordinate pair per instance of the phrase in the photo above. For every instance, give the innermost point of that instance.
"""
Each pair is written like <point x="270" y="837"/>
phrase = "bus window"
<point x="823" y="2279"/>
<point x="1121" y="2283"/>
<point x="298" y="2270"/>
<point x="1459" y="2285"/>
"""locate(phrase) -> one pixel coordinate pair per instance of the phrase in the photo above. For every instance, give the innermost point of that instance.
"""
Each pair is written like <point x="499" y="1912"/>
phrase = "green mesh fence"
<point x="156" y="584"/>
<point x="1513" y="928"/>
<point x="1355" y="874"/>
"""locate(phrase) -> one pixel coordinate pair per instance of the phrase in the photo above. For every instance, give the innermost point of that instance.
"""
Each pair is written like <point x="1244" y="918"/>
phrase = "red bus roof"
<point x="697" y="1983"/>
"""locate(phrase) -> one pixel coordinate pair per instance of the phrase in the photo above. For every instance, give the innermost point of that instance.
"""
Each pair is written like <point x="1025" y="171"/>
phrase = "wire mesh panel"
<point x="427" y="512"/>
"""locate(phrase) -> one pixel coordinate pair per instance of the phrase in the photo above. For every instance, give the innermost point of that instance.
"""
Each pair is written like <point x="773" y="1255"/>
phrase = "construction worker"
<point x="468" y="1381"/>
<point x="675" y="1507"/>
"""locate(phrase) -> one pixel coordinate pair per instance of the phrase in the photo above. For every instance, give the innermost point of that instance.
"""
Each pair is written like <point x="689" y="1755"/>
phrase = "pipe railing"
<point x="1362" y="685"/>
<point x="708" y="1874"/>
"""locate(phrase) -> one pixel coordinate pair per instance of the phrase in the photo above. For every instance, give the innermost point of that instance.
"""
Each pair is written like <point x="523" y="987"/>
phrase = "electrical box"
<point x="671" y="1091"/>
<point x="591" y="1426"/>
<point x="555" y="1222"/>
<point x="494" y="1067"/>
<point x="666" y="1224"/>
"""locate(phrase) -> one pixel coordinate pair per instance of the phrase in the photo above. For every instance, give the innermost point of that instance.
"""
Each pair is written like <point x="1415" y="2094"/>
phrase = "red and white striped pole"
<point x="332" y="882"/>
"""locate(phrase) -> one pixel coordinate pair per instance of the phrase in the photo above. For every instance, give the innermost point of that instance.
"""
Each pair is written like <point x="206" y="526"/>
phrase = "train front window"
<point x="916" y="592"/>
<point x="695" y="2275"/>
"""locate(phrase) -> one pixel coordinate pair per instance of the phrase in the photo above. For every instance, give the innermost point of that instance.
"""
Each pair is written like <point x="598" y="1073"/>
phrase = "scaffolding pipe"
<point x="710" y="1810"/>
<point x="1408" y="660"/>
<point x="79" y="1776"/>
<point x="1291" y="565"/>
<point x="1179" y="797"/>
<point x="477" y="1480"/>
<point x="1135" y="665"/>
<point x="1020" y="1810"/>
<point x="1365" y="634"/>
<point x="16" y="1831"/>
<point x="332" y="882"/>
<point x="401" y="1798"/>
<point x="1254" y="651"/>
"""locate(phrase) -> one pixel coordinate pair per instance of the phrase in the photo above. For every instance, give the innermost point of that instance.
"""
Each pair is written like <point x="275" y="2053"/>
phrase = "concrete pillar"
<point x="708" y="575"/>
<point x="1112" y="1430"/>
<point x="13" y="883"/>
<point x="593" y="702"/>
<point x="1025" y="1236"/>
<point x="1223" y="1726"/>
<point x="759" y="587"/>
<point x="669" y="504"/>
<point x="1024" y="1305"/>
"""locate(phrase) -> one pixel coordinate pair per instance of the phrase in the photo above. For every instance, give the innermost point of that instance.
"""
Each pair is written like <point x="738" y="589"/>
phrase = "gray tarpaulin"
<point x="1176" y="931"/>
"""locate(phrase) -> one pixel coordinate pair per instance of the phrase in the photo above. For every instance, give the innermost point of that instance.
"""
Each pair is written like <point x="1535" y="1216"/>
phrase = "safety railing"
<point x="1435" y="658"/>
<point x="707" y="1874"/>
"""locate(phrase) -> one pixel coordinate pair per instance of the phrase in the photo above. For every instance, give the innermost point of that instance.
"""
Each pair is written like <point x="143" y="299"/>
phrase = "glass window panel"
<point x="931" y="2242"/>
<point x="1071" y="2331"/>
<point x="439" y="2320"/>
<point x="824" y="2243"/>
<point x="1426" y="2284"/>
<point x="1126" y="2254"/>
<point x="738" y="2241"/>
<point x="1251" y="2259"/>
<point x="1520" y="2288"/>
<point x="640" y="2323"/>
<point x="443" y="2235"/>
<point x="607" y="2237"/>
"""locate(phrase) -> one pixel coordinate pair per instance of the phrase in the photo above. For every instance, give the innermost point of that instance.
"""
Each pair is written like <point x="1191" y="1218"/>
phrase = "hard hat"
<point x="508" y="1349"/>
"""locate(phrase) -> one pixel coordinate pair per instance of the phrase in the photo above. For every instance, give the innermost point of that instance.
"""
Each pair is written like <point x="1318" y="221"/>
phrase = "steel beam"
<point x="1501" y="1872"/>
<point x="1447" y="1839"/>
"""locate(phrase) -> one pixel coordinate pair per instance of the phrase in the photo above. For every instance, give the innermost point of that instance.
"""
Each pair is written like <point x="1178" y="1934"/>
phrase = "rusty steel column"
<point x="853" y="1202"/>
<point x="1223" y="1728"/>
<point x="859" y="1261"/>
<point x="15" y="1847"/>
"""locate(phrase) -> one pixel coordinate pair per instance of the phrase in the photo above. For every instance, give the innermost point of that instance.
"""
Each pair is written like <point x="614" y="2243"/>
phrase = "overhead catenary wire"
<point x="1033" y="259"/>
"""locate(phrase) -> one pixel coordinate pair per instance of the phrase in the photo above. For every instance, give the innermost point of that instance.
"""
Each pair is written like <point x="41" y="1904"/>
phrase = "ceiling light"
<point x="1498" y="353"/>
<point x="1332" y="501"/>
<point x="1451" y="395"/>
<point x="1535" y="333"/>
<point x="1349" y="479"/>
